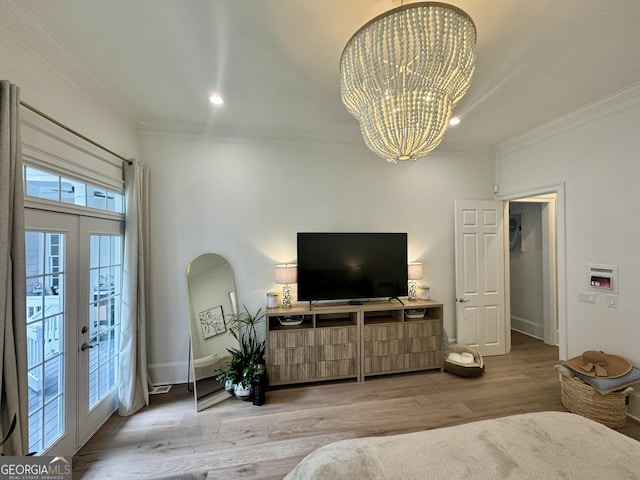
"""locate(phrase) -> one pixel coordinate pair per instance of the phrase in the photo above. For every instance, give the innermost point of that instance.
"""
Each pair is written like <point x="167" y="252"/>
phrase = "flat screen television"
<point x="351" y="266"/>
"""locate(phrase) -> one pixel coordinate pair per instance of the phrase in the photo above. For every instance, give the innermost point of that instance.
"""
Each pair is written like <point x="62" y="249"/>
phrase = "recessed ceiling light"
<point x="454" y="121"/>
<point x="216" y="99"/>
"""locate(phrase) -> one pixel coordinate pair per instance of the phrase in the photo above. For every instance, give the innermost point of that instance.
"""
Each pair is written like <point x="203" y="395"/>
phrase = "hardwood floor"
<point x="239" y="440"/>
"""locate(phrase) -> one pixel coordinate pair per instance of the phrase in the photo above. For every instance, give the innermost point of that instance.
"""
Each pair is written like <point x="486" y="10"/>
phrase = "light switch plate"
<point x="612" y="301"/>
<point x="588" y="297"/>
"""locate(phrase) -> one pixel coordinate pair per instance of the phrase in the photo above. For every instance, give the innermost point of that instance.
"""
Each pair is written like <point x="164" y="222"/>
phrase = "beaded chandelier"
<point x="404" y="72"/>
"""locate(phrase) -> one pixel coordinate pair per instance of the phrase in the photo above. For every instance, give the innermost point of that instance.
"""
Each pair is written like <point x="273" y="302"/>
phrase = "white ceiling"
<point x="276" y="62"/>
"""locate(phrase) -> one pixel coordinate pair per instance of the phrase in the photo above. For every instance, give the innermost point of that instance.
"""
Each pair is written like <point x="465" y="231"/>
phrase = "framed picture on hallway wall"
<point x="515" y="232"/>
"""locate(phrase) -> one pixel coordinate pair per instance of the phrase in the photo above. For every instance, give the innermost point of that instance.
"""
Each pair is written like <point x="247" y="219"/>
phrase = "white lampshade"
<point x="415" y="271"/>
<point x="286" y="273"/>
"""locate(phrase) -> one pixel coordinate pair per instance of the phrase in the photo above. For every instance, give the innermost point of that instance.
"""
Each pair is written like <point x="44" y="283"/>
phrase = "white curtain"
<point x="133" y="390"/>
<point x="13" y="343"/>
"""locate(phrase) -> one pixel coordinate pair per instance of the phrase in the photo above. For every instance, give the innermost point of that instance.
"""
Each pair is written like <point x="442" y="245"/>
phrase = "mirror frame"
<point x="208" y="326"/>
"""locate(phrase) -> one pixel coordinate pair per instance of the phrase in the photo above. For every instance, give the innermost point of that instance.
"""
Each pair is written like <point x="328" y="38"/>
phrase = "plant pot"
<point x="229" y="386"/>
<point x="260" y="383"/>
<point x="242" y="392"/>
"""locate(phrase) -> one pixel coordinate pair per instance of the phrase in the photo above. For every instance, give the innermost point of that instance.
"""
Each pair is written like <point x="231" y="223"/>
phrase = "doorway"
<point x="536" y="286"/>
<point x="532" y="268"/>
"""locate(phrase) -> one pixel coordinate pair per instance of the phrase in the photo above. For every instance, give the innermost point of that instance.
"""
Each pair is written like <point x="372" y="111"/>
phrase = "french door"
<point x="74" y="278"/>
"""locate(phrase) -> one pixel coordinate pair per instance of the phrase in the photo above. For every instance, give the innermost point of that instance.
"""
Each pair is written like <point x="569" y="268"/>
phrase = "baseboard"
<point x="168" y="373"/>
<point x="527" y="327"/>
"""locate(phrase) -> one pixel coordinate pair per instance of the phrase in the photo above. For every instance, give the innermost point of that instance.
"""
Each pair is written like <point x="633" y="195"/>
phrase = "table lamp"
<point x="286" y="274"/>
<point x="414" y="272"/>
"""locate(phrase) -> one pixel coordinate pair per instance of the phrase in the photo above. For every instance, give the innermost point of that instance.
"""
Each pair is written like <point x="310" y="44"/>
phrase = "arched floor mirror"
<point x="211" y="295"/>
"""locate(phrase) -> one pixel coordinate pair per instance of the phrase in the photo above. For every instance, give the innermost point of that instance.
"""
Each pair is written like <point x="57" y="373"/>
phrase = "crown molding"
<point x="282" y="137"/>
<point x="245" y="135"/>
<point x="601" y="108"/>
<point x="33" y="38"/>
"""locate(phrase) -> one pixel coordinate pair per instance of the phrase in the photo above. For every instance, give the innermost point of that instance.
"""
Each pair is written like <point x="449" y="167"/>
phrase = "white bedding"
<point x="545" y="445"/>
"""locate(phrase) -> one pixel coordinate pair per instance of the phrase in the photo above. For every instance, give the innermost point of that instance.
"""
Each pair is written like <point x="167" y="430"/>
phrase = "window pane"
<point x="54" y="258"/>
<point x="116" y="251"/>
<point x="34" y="250"/>
<point x="36" y="387"/>
<point x="105" y="282"/>
<point x="53" y="302"/>
<point x="73" y="191"/>
<point x="96" y="197"/>
<point x="53" y="429"/>
<point x="53" y="333"/>
<point x="115" y="276"/>
<point x="53" y="378"/>
<point x="35" y="345"/>
<point x="42" y="184"/>
<point x="94" y="319"/>
<point x="35" y="299"/>
<point x="94" y="248"/>
<point x="105" y="250"/>
<point x="36" y="433"/>
<point x="115" y="202"/>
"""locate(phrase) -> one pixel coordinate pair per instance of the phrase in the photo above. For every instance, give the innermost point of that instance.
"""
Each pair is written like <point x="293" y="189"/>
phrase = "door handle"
<point x="462" y="300"/>
<point x="85" y="346"/>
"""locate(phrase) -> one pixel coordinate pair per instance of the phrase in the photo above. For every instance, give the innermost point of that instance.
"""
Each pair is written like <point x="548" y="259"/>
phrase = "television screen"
<point x="351" y="266"/>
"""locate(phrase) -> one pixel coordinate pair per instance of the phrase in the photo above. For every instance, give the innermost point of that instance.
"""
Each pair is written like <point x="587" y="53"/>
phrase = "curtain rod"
<point x="71" y="130"/>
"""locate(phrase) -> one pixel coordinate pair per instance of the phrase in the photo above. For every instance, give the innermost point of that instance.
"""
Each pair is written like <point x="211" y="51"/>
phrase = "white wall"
<point x="37" y="70"/>
<point x="526" y="272"/>
<point x="595" y="153"/>
<point x="246" y="200"/>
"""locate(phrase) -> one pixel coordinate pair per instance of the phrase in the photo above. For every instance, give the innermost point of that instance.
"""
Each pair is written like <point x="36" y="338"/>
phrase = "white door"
<point x="73" y="299"/>
<point x="99" y="323"/>
<point x="479" y="258"/>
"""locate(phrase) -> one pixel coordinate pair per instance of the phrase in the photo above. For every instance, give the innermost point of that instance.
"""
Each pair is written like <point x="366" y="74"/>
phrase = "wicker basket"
<point x="579" y="397"/>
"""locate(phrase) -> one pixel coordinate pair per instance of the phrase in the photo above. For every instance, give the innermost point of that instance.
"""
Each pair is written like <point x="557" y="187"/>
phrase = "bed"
<point x="543" y="445"/>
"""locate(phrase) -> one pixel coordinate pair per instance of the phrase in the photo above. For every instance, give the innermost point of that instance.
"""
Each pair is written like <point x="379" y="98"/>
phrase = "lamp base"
<point x="286" y="296"/>
<point x="412" y="291"/>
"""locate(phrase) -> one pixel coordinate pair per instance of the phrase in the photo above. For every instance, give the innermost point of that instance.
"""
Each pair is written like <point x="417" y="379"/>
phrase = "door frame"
<point x="560" y="240"/>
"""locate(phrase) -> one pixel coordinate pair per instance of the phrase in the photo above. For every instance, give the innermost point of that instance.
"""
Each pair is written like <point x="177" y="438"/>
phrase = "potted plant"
<point x="228" y="379"/>
<point x="249" y="356"/>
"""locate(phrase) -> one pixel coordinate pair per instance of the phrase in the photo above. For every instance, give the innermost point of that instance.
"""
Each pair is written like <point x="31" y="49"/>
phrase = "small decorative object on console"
<point x="424" y="293"/>
<point x="291" y="320"/>
<point x="415" y="313"/>
<point x="272" y="300"/>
